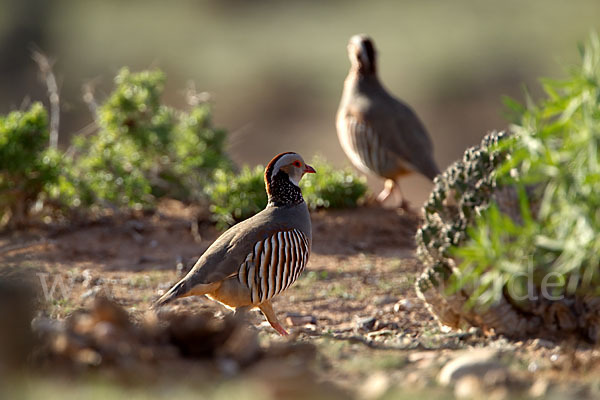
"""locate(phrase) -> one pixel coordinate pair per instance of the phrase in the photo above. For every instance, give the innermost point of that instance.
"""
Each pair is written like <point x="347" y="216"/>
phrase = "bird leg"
<point x="387" y="190"/>
<point x="404" y="204"/>
<point x="392" y="191"/>
<point x="267" y="310"/>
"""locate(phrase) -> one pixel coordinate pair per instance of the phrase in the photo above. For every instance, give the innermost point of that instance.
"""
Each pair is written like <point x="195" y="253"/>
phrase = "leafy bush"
<point x="235" y="197"/>
<point x="27" y="168"/>
<point x="144" y="149"/>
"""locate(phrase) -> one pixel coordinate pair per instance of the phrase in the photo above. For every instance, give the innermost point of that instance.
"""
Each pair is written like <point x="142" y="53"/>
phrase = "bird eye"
<point x="297" y="164"/>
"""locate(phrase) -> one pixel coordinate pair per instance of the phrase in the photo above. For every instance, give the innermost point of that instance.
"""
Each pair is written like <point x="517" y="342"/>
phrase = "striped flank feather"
<point x="366" y="149"/>
<point x="274" y="264"/>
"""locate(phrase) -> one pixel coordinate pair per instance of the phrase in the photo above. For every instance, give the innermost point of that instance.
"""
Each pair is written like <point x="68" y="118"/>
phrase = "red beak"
<point x="309" y="170"/>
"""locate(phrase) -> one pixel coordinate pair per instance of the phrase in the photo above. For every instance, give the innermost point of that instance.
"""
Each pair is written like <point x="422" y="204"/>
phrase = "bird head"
<point x="282" y="177"/>
<point x="361" y="52"/>
<point x="291" y="165"/>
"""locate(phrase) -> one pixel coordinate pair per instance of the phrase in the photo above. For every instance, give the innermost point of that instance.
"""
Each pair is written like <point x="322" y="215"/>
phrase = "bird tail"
<point x="178" y="290"/>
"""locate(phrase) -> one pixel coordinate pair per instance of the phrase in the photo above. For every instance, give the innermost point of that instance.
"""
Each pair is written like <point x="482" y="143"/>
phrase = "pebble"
<point x="468" y="387"/>
<point x="539" y="388"/>
<point x="383" y="300"/>
<point x="365" y="324"/>
<point x="542" y="343"/>
<point x="90" y="292"/>
<point x="375" y="386"/>
<point x="300" y="320"/>
<point x="477" y="362"/>
<point x="403" y="305"/>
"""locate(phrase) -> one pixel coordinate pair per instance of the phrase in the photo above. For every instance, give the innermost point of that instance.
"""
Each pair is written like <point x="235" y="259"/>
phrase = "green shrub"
<point x="144" y="150"/>
<point x="235" y="197"/>
<point x="332" y="187"/>
<point x="27" y="168"/>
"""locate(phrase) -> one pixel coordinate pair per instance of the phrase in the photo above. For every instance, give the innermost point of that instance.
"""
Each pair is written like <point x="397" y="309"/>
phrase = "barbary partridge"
<point x="379" y="133"/>
<point x="260" y="257"/>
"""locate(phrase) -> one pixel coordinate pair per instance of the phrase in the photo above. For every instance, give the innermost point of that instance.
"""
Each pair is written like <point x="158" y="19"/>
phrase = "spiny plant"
<point x="529" y="241"/>
<point x="557" y="150"/>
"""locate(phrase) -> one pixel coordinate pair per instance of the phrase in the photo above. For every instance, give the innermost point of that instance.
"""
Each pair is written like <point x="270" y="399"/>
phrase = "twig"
<point x="358" y="339"/>
<point x="47" y="75"/>
<point x="83" y="132"/>
<point x="21" y="246"/>
<point x="90" y="99"/>
<point x="195" y="98"/>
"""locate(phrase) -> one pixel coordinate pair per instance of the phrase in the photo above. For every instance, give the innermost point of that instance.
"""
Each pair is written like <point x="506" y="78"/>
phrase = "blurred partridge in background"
<point x="379" y="133"/>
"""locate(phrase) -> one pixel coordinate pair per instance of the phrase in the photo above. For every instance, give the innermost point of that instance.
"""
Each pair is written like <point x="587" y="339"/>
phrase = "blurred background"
<point x="275" y="69"/>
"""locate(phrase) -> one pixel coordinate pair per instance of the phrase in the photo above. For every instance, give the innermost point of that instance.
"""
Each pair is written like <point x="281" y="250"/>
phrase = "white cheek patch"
<point x="294" y="181"/>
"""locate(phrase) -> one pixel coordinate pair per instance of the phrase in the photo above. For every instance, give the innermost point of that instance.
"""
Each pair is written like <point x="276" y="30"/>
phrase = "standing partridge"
<point x="379" y="133"/>
<point x="260" y="257"/>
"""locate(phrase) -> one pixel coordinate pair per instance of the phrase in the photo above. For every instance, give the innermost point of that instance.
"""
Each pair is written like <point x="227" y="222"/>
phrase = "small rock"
<point x="300" y="320"/>
<point x="88" y="357"/>
<point x="477" y="362"/>
<point x="82" y="324"/>
<point x="88" y="279"/>
<point x="42" y="325"/>
<point x="381" y="333"/>
<point x="475" y="331"/>
<point x="533" y="366"/>
<point x="105" y="332"/>
<point x="90" y="292"/>
<point x="105" y="309"/>
<point x="365" y="324"/>
<point x="383" y="300"/>
<point x="375" y="386"/>
<point x="539" y="388"/>
<point x="403" y="305"/>
<point x="468" y="387"/>
<point x="228" y="366"/>
<point x="542" y="343"/>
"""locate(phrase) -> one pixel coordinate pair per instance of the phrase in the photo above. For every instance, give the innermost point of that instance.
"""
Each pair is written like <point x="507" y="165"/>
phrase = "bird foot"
<point x="405" y="206"/>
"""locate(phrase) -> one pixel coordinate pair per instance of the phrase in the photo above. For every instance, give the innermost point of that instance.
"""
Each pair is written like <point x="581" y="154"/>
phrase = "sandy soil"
<point x="355" y="302"/>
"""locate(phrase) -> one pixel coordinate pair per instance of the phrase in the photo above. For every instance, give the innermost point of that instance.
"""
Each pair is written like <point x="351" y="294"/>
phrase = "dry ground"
<point x="355" y="302"/>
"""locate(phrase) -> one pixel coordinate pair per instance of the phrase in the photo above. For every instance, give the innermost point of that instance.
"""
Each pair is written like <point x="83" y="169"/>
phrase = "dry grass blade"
<point x="47" y="75"/>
